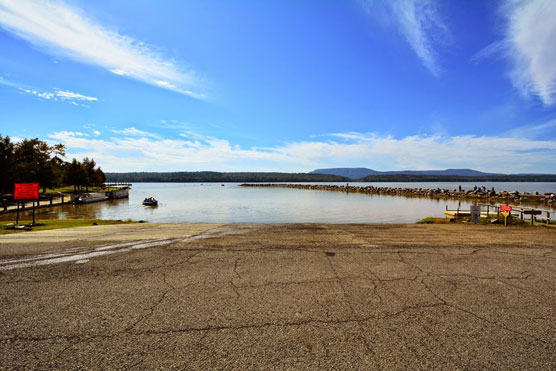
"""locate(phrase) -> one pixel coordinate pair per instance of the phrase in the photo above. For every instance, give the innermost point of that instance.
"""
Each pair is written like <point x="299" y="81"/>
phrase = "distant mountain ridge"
<point x="361" y="172"/>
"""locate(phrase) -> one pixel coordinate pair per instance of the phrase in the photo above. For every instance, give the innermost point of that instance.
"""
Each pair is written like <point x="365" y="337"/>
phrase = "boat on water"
<point x="119" y="193"/>
<point x="85" y="198"/>
<point x="150" y="201"/>
<point x="117" y="190"/>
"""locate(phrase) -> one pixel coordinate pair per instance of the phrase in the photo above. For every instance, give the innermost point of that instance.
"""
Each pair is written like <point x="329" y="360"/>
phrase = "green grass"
<point x="432" y="220"/>
<point x="43" y="225"/>
<point x="69" y="189"/>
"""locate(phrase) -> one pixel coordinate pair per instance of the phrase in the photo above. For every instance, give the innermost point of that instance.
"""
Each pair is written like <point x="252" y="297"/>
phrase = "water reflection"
<point x="185" y="202"/>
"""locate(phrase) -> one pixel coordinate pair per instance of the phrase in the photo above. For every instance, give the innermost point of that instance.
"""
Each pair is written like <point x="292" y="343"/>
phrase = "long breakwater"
<point x="479" y="194"/>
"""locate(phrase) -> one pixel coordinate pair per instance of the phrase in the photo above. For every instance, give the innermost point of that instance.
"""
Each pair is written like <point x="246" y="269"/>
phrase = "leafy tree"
<point x="100" y="177"/>
<point x="75" y="174"/>
<point x="37" y="161"/>
<point x="33" y="160"/>
<point x="89" y="168"/>
<point x="6" y="164"/>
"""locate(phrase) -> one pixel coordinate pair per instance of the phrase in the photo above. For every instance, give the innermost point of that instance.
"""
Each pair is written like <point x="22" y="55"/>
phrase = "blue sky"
<point x="284" y="85"/>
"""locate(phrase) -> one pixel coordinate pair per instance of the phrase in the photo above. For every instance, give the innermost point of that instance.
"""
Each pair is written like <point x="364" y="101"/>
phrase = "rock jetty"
<point x="477" y="194"/>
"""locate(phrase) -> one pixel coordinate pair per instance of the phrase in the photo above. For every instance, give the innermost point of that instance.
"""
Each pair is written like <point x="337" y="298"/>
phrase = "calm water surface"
<point x="187" y="202"/>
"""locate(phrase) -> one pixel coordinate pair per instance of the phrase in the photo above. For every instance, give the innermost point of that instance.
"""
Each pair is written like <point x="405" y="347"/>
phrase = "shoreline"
<point x="490" y="196"/>
<point x="8" y="228"/>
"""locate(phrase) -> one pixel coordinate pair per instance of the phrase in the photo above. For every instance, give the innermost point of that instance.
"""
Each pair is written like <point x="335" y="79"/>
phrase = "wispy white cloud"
<point x="59" y="95"/>
<point x="54" y="95"/>
<point x="63" y="30"/>
<point x="134" y="132"/>
<point x="70" y="95"/>
<point x="546" y="130"/>
<point x="529" y="44"/>
<point x="198" y="152"/>
<point x="421" y="25"/>
<point x="532" y="42"/>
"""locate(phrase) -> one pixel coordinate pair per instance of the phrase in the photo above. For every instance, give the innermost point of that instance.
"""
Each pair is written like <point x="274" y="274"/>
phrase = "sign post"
<point x="475" y="213"/>
<point x="26" y="191"/>
<point x="506" y="210"/>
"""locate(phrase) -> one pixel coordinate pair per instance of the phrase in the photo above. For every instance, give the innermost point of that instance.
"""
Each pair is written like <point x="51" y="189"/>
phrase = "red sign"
<point x="26" y="191"/>
<point x="505" y="208"/>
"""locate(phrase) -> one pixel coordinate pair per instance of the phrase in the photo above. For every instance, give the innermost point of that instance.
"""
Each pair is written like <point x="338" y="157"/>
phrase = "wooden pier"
<point x="494" y="211"/>
<point x="121" y="190"/>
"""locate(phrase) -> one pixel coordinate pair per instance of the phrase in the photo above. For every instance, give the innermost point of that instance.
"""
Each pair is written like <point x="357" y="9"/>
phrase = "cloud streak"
<point x="529" y="45"/>
<point x="53" y="95"/>
<point x="192" y="152"/>
<point x="421" y="25"/>
<point x="531" y="41"/>
<point x="63" y="31"/>
<point x="134" y="132"/>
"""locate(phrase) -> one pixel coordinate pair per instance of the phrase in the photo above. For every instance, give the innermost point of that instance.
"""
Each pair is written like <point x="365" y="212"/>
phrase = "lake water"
<point x="188" y="202"/>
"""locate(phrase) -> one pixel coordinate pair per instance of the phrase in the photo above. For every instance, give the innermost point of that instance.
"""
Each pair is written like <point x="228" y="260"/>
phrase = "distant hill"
<point x="361" y="172"/>
<point x="453" y="172"/>
<point x="456" y="178"/>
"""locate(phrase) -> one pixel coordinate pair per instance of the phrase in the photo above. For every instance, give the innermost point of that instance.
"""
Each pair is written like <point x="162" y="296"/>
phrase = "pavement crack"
<point x="136" y="364"/>
<point x="149" y="313"/>
<point x="361" y="333"/>
<point x="235" y="268"/>
<point x="235" y="288"/>
<point x="236" y="273"/>
<point x="287" y="283"/>
<point x="404" y="261"/>
<point x="448" y="304"/>
<point x="153" y="307"/>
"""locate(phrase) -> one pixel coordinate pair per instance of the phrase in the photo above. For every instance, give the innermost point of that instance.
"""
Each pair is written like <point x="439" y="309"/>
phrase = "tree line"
<point x="218" y="177"/>
<point x="264" y="177"/>
<point x="35" y="161"/>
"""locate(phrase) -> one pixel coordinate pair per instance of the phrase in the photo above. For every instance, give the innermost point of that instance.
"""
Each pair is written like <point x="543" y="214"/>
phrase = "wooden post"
<point x="50" y="199"/>
<point x="521" y="215"/>
<point x="17" y="215"/>
<point x="33" y="212"/>
<point x="548" y="217"/>
<point x="488" y="211"/>
<point x="532" y="218"/>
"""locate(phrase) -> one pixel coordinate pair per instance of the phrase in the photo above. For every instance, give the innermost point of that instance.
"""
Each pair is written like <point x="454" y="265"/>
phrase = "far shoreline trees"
<point x="35" y="161"/>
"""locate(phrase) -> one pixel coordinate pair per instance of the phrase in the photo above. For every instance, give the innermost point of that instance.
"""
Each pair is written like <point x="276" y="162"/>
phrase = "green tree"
<point x="6" y="164"/>
<point x="37" y="161"/>
<point x="100" y="177"/>
<point x="74" y="174"/>
<point x="89" y="168"/>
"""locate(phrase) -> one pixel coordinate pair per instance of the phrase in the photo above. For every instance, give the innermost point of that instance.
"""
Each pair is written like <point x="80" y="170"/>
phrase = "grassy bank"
<point x="42" y="225"/>
<point x="70" y="189"/>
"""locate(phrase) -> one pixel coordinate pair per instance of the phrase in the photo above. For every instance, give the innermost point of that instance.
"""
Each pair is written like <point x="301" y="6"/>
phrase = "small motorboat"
<point x="150" y="201"/>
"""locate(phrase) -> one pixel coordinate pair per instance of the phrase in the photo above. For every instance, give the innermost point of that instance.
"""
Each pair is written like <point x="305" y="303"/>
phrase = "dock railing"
<point x="518" y="212"/>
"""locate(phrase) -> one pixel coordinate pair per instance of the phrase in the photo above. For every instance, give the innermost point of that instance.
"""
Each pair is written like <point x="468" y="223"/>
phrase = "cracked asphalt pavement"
<point x="291" y="296"/>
